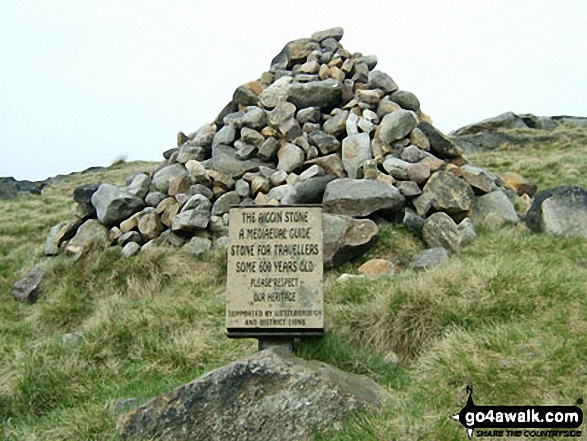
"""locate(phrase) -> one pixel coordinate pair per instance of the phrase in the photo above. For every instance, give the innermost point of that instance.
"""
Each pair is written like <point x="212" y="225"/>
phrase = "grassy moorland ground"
<point x="507" y="315"/>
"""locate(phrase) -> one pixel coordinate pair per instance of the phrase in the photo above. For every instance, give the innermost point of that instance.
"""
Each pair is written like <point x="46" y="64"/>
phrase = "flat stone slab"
<point x="271" y="395"/>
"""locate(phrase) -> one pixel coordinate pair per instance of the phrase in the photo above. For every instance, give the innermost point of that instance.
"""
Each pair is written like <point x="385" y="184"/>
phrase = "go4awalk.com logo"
<point x="520" y="421"/>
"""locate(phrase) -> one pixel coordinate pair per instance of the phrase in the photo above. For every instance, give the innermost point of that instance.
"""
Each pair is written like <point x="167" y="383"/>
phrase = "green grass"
<point x="507" y="315"/>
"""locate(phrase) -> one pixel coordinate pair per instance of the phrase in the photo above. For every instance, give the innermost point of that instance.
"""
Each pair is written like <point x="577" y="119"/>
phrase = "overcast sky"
<point x="83" y="83"/>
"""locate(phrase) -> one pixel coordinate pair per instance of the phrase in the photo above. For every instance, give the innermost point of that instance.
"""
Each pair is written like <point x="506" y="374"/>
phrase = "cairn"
<point x="323" y="126"/>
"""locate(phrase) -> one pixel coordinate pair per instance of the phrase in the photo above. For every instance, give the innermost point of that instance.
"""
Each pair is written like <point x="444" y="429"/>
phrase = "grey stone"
<point x="83" y="194"/>
<point x="254" y="118"/>
<point x="200" y="189"/>
<point x="225" y="404"/>
<point x="361" y="197"/>
<point x="223" y="203"/>
<point x="356" y="150"/>
<point x="91" y="234"/>
<point x="327" y="93"/>
<point x="451" y="194"/>
<point x="291" y="129"/>
<point x="234" y="119"/>
<point x="310" y="191"/>
<point x="309" y="115"/>
<point x="268" y="150"/>
<point x="278" y="178"/>
<point x="418" y="173"/>
<point x="345" y="238"/>
<point x="242" y="188"/>
<point x="281" y="113"/>
<point x="406" y="100"/>
<point x="250" y="136"/>
<point x="276" y="92"/>
<point x="560" y="211"/>
<point x="162" y="178"/>
<point x="131" y="236"/>
<point x="423" y="203"/>
<point x="8" y="188"/>
<point x="130" y="249"/>
<point x="224" y="161"/>
<point x="396" y="168"/>
<point x="413" y="154"/>
<point x="191" y="220"/>
<point x="441" y="231"/>
<point x="197" y="246"/>
<point x="139" y="186"/>
<point x="467" y="230"/>
<point x="495" y="205"/>
<point x="335" y="33"/>
<point x="245" y="152"/>
<point x="290" y="157"/>
<point x="351" y="124"/>
<point x="336" y="125"/>
<point x="409" y="189"/>
<point x="397" y="125"/>
<point x="413" y="222"/>
<point x="190" y="153"/>
<point x="430" y="258"/>
<point x="221" y="243"/>
<point x="380" y="80"/>
<point x="30" y="286"/>
<point x="114" y="204"/>
<point x="312" y="172"/>
<point x="226" y="135"/>
<point x="58" y="234"/>
<point x="324" y="142"/>
<point x="332" y="164"/>
<point x="440" y="145"/>
<point x="361" y="72"/>
<point x="281" y="192"/>
<point x="154" y="198"/>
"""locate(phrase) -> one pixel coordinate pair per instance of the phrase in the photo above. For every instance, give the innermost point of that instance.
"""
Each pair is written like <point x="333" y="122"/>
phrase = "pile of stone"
<point x="322" y="126"/>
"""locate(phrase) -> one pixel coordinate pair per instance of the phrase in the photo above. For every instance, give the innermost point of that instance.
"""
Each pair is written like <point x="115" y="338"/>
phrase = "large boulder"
<point x="345" y="238"/>
<point x="560" y="211"/>
<point x="361" y="197"/>
<point x="114" y="204"/>
<point x="271" y="395"/>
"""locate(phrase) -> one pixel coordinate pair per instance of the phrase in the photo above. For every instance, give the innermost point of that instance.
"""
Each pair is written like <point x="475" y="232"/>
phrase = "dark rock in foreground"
<point x="271" y="395"/>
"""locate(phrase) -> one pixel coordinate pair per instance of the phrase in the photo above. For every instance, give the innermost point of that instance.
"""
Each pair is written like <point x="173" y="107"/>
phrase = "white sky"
<point x="85" y="82"/>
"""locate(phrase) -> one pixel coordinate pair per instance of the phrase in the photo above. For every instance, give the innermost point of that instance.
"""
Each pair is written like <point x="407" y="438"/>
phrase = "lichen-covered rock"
<point x="270" y="396"/>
